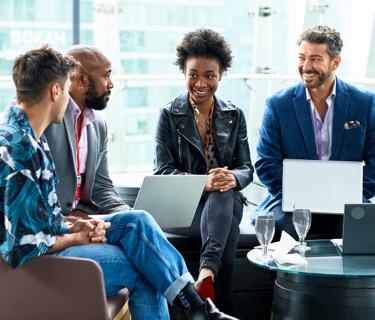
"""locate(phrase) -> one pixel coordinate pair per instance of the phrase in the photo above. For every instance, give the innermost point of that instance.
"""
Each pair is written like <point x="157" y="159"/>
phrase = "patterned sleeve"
<point x="28" y="202"/>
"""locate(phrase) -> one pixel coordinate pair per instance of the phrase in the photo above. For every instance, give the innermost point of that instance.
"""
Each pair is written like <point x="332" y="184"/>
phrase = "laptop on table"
<point x="171" y="199"/>
<point x="358" y="229"/>
<point x="326" y="186"/>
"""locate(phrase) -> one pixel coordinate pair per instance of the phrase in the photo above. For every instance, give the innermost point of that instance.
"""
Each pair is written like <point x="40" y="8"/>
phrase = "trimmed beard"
<point x="322" y="78"/>
<point x="92" y="99"/>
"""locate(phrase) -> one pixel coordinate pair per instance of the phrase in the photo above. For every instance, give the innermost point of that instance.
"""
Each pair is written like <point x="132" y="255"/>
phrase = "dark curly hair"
<point x="323" y="35"/>
<point x="204" y="43"/>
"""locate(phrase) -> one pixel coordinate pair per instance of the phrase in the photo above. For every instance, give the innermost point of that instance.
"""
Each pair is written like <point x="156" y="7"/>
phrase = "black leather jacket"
<point x="179" y="149"/>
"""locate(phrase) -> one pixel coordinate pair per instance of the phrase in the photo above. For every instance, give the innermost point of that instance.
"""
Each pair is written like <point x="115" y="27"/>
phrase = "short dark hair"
<point x="35" y="70"/>
<point x="204" y="43"/>
<point x="323" y="35"/>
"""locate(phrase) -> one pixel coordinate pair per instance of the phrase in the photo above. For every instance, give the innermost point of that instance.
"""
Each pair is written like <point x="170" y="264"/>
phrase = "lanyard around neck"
<point x="78" y="134"/>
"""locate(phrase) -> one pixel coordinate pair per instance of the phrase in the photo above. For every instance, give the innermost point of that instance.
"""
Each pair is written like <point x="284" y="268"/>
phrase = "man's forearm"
<point x="80" y="214"/>
<point x="63" y="241"/>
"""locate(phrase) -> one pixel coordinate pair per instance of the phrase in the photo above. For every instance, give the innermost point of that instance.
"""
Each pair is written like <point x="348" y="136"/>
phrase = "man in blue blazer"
<point x="321" y="118"/>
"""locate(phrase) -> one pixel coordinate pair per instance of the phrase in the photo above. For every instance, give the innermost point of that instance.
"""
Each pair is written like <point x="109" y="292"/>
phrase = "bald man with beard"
<point x="79" y="144"/>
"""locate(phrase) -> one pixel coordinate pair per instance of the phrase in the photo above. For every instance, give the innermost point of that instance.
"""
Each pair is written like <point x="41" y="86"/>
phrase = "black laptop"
<point x="358" y="229"/>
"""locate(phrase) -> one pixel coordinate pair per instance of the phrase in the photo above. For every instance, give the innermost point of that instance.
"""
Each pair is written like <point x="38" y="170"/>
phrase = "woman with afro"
<point x="200" y="132"/>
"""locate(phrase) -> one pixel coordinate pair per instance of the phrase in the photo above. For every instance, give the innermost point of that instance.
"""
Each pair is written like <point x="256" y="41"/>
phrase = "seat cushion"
<point x="116" y="302"/>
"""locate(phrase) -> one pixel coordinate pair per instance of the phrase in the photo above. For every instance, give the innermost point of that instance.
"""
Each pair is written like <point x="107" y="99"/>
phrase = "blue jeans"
<point x="139" y="257"/>
<point x="216" y="224"/>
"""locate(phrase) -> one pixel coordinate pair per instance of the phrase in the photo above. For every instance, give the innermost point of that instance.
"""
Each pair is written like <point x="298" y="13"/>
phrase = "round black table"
<point x="330" y="286"/>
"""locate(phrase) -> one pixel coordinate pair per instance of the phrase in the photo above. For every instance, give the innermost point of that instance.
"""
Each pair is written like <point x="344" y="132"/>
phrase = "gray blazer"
<point x="98" y="195"/>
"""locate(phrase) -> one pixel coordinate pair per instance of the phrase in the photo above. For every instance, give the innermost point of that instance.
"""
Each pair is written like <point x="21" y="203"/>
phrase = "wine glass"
<point x="264" y="230"/>
<point x="302" y="223"/>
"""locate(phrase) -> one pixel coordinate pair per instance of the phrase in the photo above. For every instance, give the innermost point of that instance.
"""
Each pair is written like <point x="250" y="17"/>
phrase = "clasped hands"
<point x="87" y="231"/>
<point x="220" y="179"/>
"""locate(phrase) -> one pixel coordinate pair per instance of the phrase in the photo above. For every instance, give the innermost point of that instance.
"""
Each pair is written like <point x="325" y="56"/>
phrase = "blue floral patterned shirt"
<point x="30" y="214"/>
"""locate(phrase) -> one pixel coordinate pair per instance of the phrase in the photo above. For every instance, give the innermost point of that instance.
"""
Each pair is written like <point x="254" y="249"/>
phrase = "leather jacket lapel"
<point x="185" y="122"/>
<point x="224" y="124"/>
<point x="188" y="129"/>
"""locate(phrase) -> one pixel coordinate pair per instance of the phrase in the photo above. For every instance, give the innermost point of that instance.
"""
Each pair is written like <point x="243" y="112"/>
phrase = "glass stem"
<point x="264" y="248"/>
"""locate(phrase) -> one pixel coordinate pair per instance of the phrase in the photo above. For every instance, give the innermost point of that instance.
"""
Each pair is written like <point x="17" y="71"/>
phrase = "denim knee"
<point x="136" y="217"/>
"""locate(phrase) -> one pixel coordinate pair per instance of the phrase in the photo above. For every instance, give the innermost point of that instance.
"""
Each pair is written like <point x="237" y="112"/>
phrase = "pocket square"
<point x="351" y="124"/>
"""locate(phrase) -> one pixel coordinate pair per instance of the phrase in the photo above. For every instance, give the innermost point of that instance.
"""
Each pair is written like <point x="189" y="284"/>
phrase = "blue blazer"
<point x="287" y="132"/>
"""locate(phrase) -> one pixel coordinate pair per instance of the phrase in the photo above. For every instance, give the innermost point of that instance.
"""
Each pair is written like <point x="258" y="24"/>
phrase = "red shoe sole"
<point x="206" y="289"/>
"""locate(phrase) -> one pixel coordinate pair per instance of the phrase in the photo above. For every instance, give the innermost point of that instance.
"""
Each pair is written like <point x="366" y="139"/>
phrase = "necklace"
<point x="197" y="113"/>
<point x="199" y="125"/>
<point x="204" y="127"/>
<point x="207" y="134"/>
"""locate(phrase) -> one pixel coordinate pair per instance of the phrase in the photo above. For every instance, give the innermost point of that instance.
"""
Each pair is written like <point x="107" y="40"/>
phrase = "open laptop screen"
<point x="325" y="185"/>
<point x="358" y="229"/>
<point x="171" y="199"/>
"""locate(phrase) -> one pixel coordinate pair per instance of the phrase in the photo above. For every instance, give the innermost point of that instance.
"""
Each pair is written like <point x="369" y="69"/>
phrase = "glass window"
<point x="140" y="37"/>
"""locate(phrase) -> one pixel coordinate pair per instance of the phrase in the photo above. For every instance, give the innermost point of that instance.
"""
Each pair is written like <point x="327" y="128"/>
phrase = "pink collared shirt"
<point x="88" y="117"/>
<point x="323" y="129"/>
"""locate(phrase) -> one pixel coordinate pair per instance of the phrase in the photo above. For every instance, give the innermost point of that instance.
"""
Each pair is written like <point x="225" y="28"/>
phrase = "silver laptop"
<point x="171" y="199"/>
<point x="325" y="185"/>
<point x="358" y="229"/>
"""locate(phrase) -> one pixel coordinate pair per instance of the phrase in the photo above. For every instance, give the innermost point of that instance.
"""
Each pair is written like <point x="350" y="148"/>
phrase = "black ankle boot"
<point x="194" y="307"/>
<point x="213" y="313"/>
<point x="188" y="298"/>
